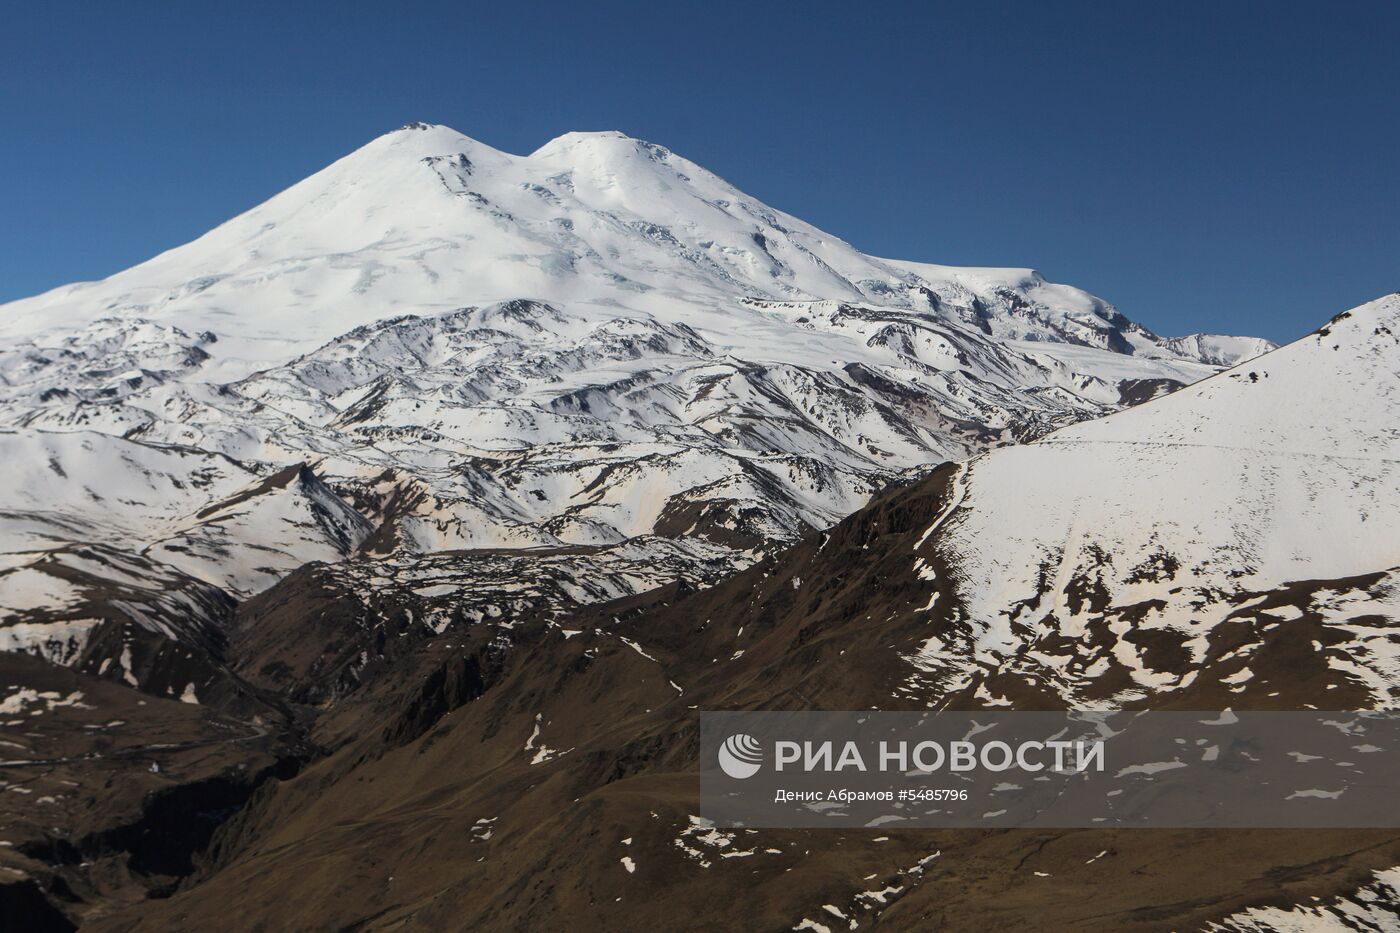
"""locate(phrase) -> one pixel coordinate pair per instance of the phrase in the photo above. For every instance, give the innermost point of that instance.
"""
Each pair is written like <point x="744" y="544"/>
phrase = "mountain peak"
<point x="600" y="143"/>
<point x="427" y="139"/>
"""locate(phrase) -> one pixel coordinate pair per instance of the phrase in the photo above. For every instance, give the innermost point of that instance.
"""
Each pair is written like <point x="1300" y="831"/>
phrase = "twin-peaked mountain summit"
<point x="425" y="220"/>
<point x="467" y="348"/>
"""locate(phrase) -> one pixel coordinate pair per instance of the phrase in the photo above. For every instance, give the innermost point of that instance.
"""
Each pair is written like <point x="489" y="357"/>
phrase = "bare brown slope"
<point x="107" y="794"/>
<point x="505" y="779"/>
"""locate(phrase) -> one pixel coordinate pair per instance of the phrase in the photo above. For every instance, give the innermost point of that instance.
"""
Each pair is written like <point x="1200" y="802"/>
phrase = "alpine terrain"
<point x="366" y="560"/>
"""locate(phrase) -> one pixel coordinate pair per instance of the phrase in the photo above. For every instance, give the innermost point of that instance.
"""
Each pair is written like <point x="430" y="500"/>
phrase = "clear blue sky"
<point x="1215" y="166"/>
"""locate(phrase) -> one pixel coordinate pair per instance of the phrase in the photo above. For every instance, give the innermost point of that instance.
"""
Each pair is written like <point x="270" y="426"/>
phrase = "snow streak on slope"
<point x="1372" y="906"/>
<point x="1109" y="553"/>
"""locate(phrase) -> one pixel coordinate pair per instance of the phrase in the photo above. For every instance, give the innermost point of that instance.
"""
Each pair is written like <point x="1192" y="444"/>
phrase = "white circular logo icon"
<point x="740" y="756"/>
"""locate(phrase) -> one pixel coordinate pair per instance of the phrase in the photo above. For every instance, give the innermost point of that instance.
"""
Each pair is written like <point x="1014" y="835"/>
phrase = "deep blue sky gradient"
<point x="1206" y="166"/>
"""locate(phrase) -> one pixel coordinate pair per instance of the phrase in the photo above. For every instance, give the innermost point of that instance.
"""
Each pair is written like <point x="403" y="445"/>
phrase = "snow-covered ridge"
<point x="1114" y="549"/>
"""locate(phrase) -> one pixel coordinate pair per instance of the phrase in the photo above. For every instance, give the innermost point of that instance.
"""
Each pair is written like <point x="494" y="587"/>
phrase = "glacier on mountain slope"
<point x="468" y="349"/>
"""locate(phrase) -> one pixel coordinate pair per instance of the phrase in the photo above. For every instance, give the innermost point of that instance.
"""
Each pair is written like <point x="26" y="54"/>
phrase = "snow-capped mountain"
<point x="434" y="345"/>
<point x="425" y="220"/>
